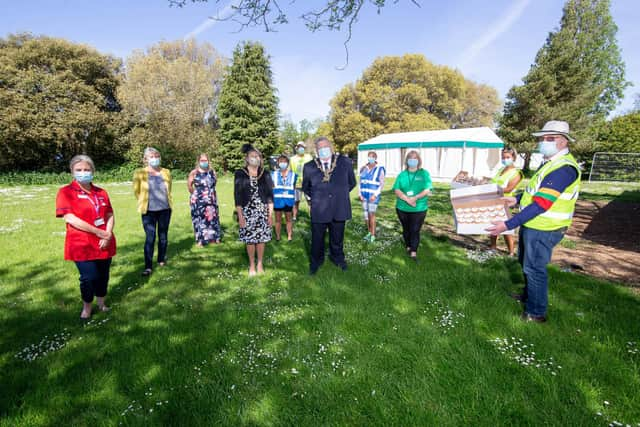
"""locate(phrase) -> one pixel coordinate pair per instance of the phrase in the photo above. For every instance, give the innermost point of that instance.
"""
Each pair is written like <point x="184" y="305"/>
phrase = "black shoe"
<point x="343" y="267"/>
<point x="526" y="317"/>
<point x="313" y="271"/>
<point x="147" y="272"/>
<point x="518" y="297"/>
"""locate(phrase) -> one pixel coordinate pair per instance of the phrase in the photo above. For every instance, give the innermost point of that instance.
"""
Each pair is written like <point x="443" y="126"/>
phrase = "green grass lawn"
<point x="386" y="343"/>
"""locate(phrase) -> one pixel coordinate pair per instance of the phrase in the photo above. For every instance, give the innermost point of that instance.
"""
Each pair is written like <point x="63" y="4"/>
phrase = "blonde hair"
<point x="417" y="155"/>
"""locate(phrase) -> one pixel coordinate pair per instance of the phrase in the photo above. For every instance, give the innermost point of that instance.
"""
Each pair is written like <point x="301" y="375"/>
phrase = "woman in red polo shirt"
<point x="89" y="242"/>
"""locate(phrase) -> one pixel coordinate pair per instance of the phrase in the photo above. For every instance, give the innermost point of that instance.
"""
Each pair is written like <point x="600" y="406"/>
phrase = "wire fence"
<point x="618" y="167"/>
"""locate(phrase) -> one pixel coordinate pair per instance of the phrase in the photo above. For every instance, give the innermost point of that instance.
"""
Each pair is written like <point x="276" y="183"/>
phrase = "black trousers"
<point x="150" y="221"/>
<point x="336" y="243"/>
<point x="94" y="278"/>
<point x="411" y="225"/>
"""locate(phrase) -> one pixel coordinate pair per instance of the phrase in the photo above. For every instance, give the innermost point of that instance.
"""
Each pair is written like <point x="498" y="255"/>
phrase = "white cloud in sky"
<point x="224" y="13"/>
<point x="496" y="29"/>
<point x="305" y="88"/>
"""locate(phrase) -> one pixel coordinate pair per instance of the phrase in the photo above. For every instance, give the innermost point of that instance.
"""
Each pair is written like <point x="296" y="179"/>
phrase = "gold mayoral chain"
<point x="327" y="174"/>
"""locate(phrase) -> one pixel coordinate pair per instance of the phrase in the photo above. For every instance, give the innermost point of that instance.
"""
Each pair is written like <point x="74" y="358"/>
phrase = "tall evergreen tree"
<point x="248" y="106"/>
<point x="577" y="76"/>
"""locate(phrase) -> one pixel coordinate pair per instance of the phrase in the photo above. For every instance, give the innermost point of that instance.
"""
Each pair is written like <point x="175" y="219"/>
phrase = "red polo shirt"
<point x="88" y="206"/>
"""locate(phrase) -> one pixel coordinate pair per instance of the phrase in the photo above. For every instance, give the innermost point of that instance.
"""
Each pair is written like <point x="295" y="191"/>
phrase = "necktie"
<point x="325" y="165"/>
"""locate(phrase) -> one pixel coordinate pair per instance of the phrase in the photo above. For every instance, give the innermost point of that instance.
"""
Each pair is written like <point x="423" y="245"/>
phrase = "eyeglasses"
<point x="548" y="138"/>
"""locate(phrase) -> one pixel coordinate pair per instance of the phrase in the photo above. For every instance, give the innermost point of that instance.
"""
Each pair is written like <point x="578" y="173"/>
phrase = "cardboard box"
<point x="475" y="207"/>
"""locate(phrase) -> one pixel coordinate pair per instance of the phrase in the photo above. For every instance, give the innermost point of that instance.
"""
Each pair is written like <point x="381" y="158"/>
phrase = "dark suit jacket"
<point x="329" y="200"/>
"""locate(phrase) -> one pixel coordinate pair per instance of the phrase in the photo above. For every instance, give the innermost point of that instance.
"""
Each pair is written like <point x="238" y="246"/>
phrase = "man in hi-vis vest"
<point x="546" y="210"/>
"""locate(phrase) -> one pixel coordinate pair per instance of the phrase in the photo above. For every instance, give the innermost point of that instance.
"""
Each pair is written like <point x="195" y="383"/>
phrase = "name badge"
<point x="82" y="196"/>
<point x="410" y="193"/>
<point x="98" y="222"/>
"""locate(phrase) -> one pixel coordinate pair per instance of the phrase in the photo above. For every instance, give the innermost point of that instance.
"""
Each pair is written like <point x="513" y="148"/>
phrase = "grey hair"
<point x="81" y="158"/>
<point x="319" y="139"/>
<point x="149" y="150"/>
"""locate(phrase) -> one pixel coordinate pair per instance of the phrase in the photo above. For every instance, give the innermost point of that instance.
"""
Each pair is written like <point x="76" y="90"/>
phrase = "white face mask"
<point x="83" y="177"/>
<point x="547" y="148"/>
<point x="254" y="161"/>
<point x="324" y="152"/>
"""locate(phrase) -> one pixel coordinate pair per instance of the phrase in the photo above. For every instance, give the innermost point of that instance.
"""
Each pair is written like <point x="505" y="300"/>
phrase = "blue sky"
<point x="489" y="41"/>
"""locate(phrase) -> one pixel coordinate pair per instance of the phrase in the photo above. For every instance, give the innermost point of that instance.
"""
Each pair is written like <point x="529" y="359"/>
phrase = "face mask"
<point x="204" y="165"/>
<point x="300" y="150"/>
<point x="83" y="177"/>
<point x="507" y="162"/>
<point x="547" y="148"/>
<point x="154" y="162"/>
<point x="412" y="163"/>
<point x="254" y="161"/>
<point x="324" y="152"/>
<point x="371" y="160"/>
<point x="283" y="165"/>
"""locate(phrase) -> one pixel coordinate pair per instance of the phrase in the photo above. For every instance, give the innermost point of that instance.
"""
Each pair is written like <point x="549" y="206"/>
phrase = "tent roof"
<point x="482" y="137"/>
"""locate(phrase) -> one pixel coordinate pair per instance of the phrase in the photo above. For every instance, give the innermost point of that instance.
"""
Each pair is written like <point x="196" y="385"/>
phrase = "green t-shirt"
<point x="411" y="184"/>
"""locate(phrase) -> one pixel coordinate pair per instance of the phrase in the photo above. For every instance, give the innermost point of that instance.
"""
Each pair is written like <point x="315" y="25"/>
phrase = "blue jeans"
<point x="150" y="221"/>
<point x="94" y="278"/>
<point x="534" y="253"/>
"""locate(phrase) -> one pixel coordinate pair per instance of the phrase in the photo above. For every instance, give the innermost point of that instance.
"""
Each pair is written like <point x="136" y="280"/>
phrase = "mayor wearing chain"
<point x="327" y="181"/>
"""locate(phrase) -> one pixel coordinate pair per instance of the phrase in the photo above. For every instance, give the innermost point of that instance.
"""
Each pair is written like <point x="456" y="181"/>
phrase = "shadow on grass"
<point x="361" y="347"/>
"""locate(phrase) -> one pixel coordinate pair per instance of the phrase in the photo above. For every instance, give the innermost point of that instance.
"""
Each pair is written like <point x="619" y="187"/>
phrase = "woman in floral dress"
<point x="204" y="203"/>
<point x="253" y="193"/>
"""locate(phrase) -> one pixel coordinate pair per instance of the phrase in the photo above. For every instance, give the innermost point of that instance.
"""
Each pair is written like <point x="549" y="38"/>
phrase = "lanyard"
<point x="95" y="203"/>
<point x="412" y="179"/>
<point x="284" y="180"/>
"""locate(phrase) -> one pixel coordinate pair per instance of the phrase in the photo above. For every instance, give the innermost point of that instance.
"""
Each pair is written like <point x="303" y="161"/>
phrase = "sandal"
<point x="103" y="308"/>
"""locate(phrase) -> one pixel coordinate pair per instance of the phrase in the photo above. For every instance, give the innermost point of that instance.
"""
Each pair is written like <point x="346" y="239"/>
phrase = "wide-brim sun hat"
<point x="555" y="127"/>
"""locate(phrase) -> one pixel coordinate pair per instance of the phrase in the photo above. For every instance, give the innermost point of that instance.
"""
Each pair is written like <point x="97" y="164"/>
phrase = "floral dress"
<point x="256" y="214"/>
<point x="204" y="208"/>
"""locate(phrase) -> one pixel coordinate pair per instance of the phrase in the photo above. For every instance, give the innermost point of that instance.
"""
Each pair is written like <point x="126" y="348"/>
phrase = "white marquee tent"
<point x="444" y="152"/>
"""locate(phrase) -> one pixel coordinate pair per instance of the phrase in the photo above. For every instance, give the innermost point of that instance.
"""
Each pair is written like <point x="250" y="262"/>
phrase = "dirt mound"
<point x="603" y="241"/>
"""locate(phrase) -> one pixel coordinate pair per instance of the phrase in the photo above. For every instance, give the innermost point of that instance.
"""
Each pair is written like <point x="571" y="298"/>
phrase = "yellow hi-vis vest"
<point x="561" y="212"/>
<point x="503" y="180"/>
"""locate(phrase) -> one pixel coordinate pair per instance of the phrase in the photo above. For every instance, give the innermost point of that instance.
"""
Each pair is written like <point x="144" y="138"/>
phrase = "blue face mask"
<point x="83" y="177"/>
<point x="300" y="150"/>
<point x="324" y="152"/>
<point x="154" y="162"/>
<point x="371" y="160"/>
<point x="547" y="148"/>
<point x="283" y="165"/>
<point x="412" y="163"/>
<point x="507" y="162"/>
<point x="204" y="165"/>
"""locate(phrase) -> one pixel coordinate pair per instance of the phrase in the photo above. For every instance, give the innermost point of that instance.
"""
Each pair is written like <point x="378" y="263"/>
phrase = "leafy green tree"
<point x="248" y="106"/>
<point x="288" y="136"/>
<point x="290" y="133"/>
<point x="622" y="134"/>
<point x="408" y="93"/>
<point x="57" y="100"/>
<point x="577" y="76"/>
<point x="169" y="94"/>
